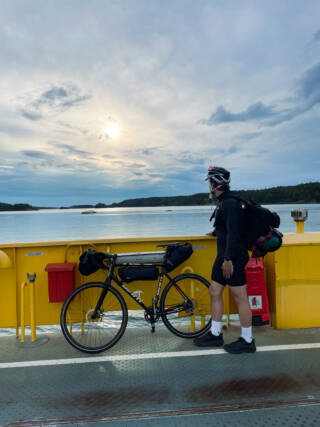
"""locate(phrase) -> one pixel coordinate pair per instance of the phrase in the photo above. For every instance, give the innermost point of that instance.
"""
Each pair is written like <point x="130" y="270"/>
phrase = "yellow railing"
<point x="24" y="286"/>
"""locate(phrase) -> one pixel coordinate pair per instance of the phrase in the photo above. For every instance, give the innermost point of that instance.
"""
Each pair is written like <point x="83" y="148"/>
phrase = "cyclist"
<point x="229" y="266"/>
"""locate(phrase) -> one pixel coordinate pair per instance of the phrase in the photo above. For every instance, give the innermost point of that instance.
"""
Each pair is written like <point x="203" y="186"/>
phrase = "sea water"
<point x="72" y="224"/>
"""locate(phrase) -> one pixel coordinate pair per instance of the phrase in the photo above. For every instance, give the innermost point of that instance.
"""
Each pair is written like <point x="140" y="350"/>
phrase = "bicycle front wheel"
<point x="185" y="306"/>
<point x="93" y="335"/>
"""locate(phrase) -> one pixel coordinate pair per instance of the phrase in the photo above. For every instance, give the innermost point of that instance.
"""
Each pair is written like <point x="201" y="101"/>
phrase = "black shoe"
<point x="209" y="340"/>
<point x="240" y="346"/>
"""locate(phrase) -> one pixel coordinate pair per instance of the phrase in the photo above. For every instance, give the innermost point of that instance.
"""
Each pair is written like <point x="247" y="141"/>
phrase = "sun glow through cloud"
<point x="113" y="130"/>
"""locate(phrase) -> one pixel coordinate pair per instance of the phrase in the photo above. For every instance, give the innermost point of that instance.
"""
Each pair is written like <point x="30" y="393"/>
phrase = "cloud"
<point x="309" y="86"/>
<point x="31" y="115"/>
<point x="36" y="154"/>
<point x="257" y="111"/>
<point x="71" y="149"/>
<point x="316" y="36"/>
<point x="52" y="101"/>
<point x="307" y="95"/>
<point x="250" y="136"/>
<point x="148" y="72"/>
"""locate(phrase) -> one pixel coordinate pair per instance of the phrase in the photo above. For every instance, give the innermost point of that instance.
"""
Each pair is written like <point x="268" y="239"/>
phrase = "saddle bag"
<point x="177" y="255"/>
<point x="131" y="274"/>
<point x="91" y="261"/>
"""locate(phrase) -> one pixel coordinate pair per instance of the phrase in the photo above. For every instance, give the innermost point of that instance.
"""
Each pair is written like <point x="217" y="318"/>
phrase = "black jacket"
<point x="229" y="227"/>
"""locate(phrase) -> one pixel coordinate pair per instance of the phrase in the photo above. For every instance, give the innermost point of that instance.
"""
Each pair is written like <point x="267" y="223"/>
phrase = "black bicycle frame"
<point x="111" y="277"/>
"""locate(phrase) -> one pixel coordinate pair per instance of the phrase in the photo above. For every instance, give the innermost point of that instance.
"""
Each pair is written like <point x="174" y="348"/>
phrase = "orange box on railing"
<point x="60" y="280"/>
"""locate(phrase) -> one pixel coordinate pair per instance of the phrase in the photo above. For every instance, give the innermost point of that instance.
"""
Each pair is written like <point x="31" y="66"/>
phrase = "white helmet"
<point x="219" y="175"/>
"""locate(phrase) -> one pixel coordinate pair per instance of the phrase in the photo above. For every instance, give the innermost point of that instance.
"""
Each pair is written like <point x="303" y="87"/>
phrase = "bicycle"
<point x="95" y="315"/>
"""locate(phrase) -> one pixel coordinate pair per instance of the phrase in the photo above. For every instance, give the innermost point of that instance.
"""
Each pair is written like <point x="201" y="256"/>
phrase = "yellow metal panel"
<point x="33" y="258"/>
<point x="303" y="238"/>
<point x="292" y="276"/>
<point x="297" y="283"/>
<point x="8" y="309"/>
<point x="298" y="261"/>
<point x="298" y="304"/>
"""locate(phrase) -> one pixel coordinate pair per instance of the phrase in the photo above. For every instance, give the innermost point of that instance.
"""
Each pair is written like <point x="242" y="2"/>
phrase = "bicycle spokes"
<point x="186" y="305"/>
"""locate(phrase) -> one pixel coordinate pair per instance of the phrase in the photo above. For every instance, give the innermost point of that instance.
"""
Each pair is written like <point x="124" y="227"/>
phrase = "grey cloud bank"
<point x="55" y="100"/>
<point x="308" y="96"/>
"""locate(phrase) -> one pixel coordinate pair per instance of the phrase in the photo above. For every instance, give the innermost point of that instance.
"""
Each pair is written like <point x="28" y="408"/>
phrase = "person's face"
<point x="212" y="186"/>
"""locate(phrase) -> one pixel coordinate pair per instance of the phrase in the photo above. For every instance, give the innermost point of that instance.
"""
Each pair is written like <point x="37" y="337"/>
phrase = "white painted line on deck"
<point x="143" y="356"/>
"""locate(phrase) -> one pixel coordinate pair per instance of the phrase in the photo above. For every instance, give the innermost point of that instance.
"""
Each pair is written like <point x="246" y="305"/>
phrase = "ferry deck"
<point x="161" y="380"/>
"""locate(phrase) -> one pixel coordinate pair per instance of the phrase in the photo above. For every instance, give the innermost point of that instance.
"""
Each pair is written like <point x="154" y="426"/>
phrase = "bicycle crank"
<point x="151" y="318"/>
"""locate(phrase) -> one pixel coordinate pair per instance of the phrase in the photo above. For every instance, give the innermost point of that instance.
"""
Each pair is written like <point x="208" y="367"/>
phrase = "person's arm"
<point x="232" y="213"/>
<point x="233" y="217"/>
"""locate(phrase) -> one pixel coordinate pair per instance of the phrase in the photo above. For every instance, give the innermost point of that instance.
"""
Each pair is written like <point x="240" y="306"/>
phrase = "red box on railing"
<point x="257" y="292"/>
<point x="60" y="280"/>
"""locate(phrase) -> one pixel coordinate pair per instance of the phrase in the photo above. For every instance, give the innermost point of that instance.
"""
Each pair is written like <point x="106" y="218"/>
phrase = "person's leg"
<point x="214" y="338"/>
<point x="245" y="344"/>
<point x="240" y="296"/>
<point x="216" y="291"/>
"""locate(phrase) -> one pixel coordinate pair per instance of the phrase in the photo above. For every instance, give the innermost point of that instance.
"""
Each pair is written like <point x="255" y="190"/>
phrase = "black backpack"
<point x="261" y="235"/>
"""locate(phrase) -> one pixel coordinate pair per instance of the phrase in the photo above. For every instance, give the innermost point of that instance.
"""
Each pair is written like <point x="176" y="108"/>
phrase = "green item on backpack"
<point x="261" y="235"/>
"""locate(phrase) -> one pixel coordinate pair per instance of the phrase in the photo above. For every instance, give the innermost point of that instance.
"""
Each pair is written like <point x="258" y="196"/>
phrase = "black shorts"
<point x="238" y="277"/>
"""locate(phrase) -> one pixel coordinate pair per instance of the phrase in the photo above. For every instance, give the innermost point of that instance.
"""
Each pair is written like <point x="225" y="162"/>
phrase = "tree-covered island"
<point x="17" y="207"/>
<point x="302" y="193"/>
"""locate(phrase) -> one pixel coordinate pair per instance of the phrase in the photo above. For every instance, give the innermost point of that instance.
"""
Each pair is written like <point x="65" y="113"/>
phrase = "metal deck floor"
<point x="159" y="379"/>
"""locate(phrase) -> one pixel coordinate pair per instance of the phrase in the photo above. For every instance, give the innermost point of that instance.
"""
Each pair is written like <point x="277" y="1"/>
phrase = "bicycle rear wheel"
<point x="93" y="335"/>
<point x="185" y="306"/>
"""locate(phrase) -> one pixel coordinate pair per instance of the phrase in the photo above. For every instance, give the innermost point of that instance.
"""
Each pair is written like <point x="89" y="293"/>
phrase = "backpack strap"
<point x="266" y="237"/>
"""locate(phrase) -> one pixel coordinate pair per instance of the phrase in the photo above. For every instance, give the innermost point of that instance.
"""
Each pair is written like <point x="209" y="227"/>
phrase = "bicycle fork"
<point x="96" y="312"/>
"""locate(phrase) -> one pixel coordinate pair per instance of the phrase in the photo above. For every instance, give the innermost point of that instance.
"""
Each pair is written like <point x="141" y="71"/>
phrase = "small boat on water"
<point x="89" y="212"/>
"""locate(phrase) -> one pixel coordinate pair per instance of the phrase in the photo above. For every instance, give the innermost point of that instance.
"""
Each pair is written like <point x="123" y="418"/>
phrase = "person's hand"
<point x="227" y="269"/>
<point x="209" y="234"/>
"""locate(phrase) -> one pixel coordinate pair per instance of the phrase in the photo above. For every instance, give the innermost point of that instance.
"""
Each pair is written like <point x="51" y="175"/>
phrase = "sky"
<point x="106" y="100"/>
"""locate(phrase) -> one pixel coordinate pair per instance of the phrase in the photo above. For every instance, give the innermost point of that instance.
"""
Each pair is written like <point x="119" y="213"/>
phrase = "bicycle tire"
<point x="93" y="336"/>
<point x="193" y="320"/>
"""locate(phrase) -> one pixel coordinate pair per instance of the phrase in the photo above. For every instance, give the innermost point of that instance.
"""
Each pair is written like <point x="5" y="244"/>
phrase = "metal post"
<point x="32" y="278"/>
<point x="23" y="286"/>
<point x="299" y="216"/>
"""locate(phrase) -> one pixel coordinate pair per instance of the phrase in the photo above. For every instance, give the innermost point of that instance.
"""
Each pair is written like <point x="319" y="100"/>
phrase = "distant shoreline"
<point x="302" y="193"/>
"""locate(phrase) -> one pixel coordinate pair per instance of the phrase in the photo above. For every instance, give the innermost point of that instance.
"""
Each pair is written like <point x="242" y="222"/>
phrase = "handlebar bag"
<point x="91" y="261"/>
<point x="177" y="255"/>
<point x="130" y="274"/>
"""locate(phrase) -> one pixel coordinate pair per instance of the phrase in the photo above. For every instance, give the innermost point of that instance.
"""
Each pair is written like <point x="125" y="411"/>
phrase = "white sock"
<point x="246" y="334"/>
<point x="216" y="328"/>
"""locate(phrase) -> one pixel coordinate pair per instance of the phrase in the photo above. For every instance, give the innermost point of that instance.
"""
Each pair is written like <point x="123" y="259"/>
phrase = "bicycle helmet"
<point x="219" y="175"/>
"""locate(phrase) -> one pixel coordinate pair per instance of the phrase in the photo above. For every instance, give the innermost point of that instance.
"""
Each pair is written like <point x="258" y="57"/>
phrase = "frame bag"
<point x="130" y="274"/>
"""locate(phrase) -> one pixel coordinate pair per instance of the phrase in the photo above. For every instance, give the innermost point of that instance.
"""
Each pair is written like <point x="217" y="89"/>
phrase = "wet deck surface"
<point x="168" y="381"/>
